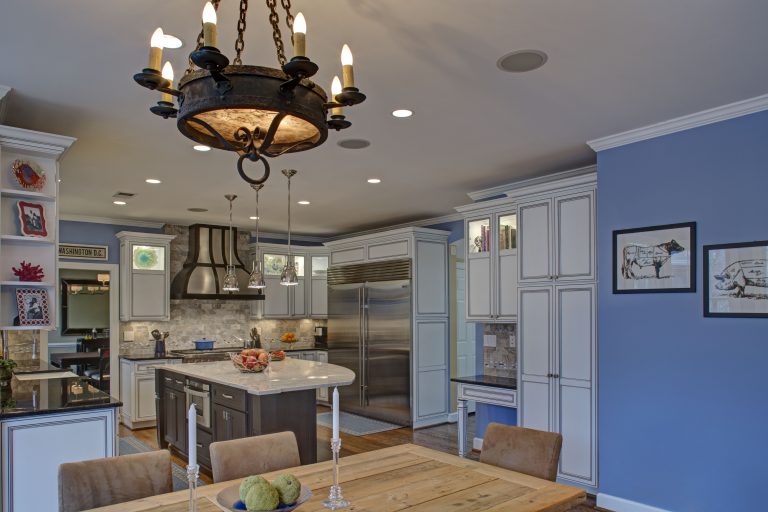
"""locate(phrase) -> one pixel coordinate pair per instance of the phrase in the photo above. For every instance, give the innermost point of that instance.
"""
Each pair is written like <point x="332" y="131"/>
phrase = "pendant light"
<point x="256" y="279"/>
<point x="230" y="279"/>
<point x="288" y="277"/>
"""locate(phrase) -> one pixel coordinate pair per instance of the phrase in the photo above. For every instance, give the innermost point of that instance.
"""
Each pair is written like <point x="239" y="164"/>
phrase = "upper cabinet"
<point x="491" y="263"/>
<point x="557" y="237"/>
<point x="29" y="227"/>
<point x="318" y="302"/>
<point x="145" y="261"/>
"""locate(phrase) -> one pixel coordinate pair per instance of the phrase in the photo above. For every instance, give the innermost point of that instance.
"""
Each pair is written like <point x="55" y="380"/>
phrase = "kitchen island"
<point x="232" y="405"/>
<point x="46" y="419"/>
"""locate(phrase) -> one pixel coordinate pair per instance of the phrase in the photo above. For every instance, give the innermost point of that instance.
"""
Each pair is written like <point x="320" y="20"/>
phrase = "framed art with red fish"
<point x="32" y="219"/>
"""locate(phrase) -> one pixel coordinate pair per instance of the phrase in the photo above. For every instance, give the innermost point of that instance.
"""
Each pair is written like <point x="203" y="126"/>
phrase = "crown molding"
<point x="678" y="124"/>
<point x="284" y="236"/>
<point x="4" y="90"/>
<point x="46" y="144"/>
<point x="112" y="221"/>
<point x="581" y="175"/>
<point x="452" y="217"/>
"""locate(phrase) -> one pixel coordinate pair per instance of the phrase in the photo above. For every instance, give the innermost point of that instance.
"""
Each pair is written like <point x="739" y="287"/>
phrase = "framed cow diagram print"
<point x="736" y="280"/>
<point x="656" y="259"/>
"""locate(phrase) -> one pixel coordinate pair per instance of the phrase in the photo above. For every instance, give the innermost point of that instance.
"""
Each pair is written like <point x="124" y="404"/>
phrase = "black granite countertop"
<point x="147" y="356"/>
<point x="488" y="380"/>
<point x="36" y="366"/>
<point x="51" y="396"/>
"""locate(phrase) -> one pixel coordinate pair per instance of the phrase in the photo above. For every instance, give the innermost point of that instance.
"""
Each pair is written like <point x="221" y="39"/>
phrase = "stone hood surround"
<point x="281" y="377"/>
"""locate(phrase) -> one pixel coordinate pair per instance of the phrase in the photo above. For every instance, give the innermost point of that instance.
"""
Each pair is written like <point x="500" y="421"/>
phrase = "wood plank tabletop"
<point x="400" y="478"/>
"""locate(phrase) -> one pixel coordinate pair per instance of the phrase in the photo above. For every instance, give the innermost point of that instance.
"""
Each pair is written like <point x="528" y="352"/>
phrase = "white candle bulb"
<point x="209" y="25"/>
<point x="335" y="89"/>
<point x="335" y="414"/>
<point x="168" y="75"/>
<point x="299" y="36"/>
<point x="156" y="49"/>
<point x="347" y="73"/>
<point x="192" y="436"/>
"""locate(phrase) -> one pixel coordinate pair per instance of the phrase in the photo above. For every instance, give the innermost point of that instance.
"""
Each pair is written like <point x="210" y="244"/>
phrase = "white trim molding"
<point x="712" y="115"/>
<point x="571" y="177"/>
<point x="46" y="144"/>
<point x="617" y="504"/>
<point x="451" y="217"/>
<point x="112" y="221"/>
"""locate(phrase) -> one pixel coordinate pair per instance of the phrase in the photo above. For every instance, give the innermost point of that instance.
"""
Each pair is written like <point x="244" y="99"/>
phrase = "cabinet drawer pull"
<point x="198" y="445"/>
<point x="228" y="397"/>
<point x="179" y="382"/>
<point x="168" y="379"/>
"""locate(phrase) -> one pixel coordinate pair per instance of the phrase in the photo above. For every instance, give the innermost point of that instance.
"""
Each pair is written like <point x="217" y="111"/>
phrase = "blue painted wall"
<point x="92" y="233"/>
<point x="682" y="400"/>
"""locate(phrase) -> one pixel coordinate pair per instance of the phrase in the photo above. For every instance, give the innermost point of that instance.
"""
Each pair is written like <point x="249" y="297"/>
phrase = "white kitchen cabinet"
<point x="322" y="393"/>
<point x="318" y="287"/>
<point x="557" y="238"/>
<point x="557" y="357"/>
<point x="137" y="391"/>
<point x="145" y="276"/>
<point x="491" y="256"/>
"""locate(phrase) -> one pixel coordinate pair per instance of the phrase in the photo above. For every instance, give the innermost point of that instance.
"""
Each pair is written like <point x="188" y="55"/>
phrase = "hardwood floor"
<point x="440" y="437"/>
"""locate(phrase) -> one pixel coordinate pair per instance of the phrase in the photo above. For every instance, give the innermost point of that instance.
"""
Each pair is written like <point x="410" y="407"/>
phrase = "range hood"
<point x="203" y="273"/>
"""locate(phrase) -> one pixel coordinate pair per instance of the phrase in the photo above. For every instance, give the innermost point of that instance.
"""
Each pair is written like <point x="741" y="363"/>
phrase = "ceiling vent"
<point x="123" y="195"/>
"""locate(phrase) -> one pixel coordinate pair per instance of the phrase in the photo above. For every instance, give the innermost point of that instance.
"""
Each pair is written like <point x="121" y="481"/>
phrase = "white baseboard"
<point x="477" y="443"/>
<point x="453" y="417"/>
<point x="621" y="505"/>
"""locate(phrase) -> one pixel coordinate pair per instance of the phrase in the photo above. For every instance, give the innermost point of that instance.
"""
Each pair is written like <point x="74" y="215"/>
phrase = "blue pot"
<point x="204" y="344"/>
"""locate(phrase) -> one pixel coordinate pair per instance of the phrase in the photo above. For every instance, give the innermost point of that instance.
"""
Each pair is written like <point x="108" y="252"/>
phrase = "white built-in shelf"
<point x="27" y="239"/>
<point x="24" y="327"/>
<point x="42" y="284"/>
<point x="27" y="194"/>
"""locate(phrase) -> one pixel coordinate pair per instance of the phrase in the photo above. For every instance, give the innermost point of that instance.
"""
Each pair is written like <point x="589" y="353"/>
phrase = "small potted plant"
<point x="6" y="371"/>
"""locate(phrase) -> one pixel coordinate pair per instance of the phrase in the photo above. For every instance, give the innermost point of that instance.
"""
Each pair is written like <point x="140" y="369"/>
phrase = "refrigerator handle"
<point x="366" y="299"/>
<point x="361" y="345"/>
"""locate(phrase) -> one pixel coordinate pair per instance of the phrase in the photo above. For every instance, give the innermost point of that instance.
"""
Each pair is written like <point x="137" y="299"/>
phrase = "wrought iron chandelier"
<point x="254" y="111"/>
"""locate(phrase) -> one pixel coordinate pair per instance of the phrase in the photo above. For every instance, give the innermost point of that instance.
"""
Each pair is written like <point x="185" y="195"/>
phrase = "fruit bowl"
<point x="289" y="337"/>
<point x="229" y="498"/>
<point x="246" y="366"/>
<point x="277" y="355"/>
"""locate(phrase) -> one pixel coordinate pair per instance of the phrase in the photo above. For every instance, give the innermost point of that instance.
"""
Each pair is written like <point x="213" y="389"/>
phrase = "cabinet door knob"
<point x="557" y="375"/>
<point x="550" y="375"/>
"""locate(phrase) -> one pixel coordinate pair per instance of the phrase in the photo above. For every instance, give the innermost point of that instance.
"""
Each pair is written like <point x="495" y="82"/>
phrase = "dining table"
<point x="406" y="477"/>
<point x="79" y="359"/>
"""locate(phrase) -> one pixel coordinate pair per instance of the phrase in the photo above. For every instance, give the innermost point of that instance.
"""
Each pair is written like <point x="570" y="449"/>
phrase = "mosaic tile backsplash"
<point x="501" y="360"/>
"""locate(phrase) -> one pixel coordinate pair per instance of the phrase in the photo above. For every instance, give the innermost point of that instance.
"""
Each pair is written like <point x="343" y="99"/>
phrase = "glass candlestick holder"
<point x="335" y="500"/>
<point x="193" y="472"/>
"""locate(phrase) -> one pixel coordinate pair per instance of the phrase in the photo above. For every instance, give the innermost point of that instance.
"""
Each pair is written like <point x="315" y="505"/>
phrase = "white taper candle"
<point x="192" y="449"/>
<point x="335" y="414"/>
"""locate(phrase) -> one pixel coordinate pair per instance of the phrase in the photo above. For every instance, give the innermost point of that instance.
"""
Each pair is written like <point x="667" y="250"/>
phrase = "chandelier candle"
<point x="156" y="49"/>
<point x="209" y="25"/>
<point x="336" y="89"/>
<point x="299" y="36"/>
<point x="168" y="75"/>
<point x="347" y="73"/>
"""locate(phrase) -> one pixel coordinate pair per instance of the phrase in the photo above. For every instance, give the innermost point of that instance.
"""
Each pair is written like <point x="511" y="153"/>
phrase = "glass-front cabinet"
<point x="307" y="299"/>
<point x="491" y="266"/>
<point x="144" y="276"/>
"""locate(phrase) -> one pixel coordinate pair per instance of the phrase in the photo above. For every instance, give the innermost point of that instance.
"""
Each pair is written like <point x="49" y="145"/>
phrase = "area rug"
<point x="130" y="444"/>
<point x="355" y="425"/>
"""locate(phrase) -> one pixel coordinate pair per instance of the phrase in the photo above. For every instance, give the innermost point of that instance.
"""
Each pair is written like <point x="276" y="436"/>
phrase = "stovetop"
<point x="193" y="351"/>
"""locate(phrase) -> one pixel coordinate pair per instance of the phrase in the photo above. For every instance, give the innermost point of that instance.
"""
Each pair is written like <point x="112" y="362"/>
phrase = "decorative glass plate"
<point x="146" y="257"/>
<point x="229" y="498"/>
<point x="29" y="175"/>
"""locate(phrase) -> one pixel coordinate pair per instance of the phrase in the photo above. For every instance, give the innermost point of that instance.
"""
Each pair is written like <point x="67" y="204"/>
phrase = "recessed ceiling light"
<point x="304" y="202"/>
<point x="374" y="180"/>
<point x="153" y="181"/>
<point x="253" y="217"/>
<point x="522" y="61"/>
<point x="402" y="112"/>
<point x="197" y="210"/>
<point x="119" y="203"/>
<point x="170" y="41"/>
<point x="201" y="147"/>
<point x="354" y="143"/>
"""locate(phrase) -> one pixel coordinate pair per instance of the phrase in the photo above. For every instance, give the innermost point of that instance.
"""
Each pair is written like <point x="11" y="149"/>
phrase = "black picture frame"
<point x="665" y="251"/>
<point x="744" y="267"/>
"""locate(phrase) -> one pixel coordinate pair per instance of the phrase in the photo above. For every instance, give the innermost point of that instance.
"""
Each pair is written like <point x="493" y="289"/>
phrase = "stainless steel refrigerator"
<point x="369" y="332"/>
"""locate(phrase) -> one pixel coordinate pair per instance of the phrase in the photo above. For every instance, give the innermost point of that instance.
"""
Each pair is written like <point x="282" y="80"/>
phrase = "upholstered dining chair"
<point x="99" y="482"/>
<point x="240" y="458"/>
<point x="524" y="450"/>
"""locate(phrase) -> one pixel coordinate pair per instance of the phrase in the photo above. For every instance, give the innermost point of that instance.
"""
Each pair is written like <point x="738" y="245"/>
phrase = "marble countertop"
<point x="145" y="356"/>
<point x="488" y="380"/>
<point x="50" y="395"/>
<point x="281" y="377"/>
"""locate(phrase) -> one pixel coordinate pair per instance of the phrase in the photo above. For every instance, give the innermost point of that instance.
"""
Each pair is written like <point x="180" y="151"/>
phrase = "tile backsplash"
<point x="500" y="360"/>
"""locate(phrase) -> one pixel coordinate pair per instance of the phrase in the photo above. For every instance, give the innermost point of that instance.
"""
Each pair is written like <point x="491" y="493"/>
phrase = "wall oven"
<point x="199" y="393"/>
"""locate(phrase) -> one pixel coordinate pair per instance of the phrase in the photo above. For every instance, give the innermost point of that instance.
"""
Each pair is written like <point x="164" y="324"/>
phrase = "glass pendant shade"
<point x="256" y="279"/>
<point x="288" y="277"/>
<point x="230" y="281"/>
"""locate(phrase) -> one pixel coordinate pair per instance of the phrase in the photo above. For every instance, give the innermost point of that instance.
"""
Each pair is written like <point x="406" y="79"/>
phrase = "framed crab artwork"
<point x="28" y="174"/>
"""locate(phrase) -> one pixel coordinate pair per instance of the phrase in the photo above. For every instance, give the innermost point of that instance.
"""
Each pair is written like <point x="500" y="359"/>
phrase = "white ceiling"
<point x="613" y="65"/>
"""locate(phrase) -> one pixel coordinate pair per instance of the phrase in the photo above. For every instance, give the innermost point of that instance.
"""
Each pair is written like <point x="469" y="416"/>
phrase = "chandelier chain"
<point x="199" y="43"/>
<point x="288" y="16"/>
<point x="240" y="42"/>
<point x="277" y="36"/>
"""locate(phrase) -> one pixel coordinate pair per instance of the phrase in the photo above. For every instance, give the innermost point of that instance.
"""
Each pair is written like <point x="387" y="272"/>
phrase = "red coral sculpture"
<point x="29" y="273"/>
